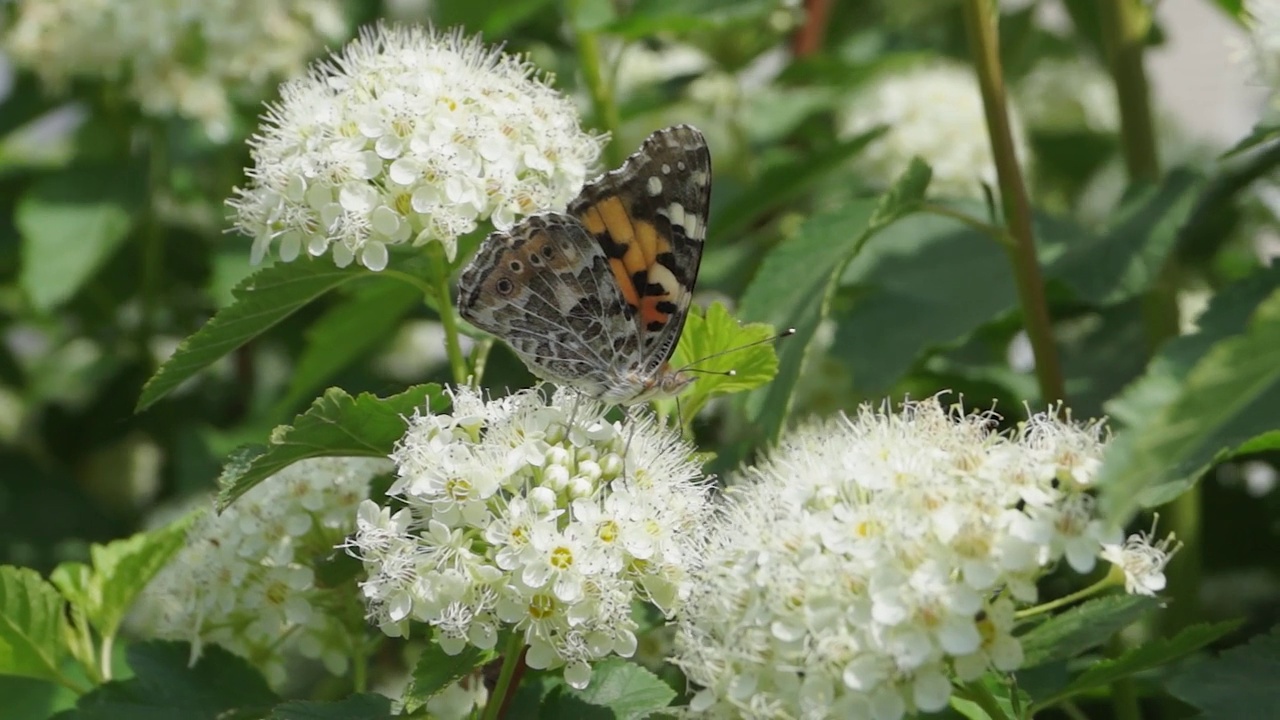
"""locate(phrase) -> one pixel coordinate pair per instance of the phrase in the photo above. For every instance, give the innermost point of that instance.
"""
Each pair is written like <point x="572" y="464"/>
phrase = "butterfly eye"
<point x="504" y="286"/>
<point x="516" y="266"/>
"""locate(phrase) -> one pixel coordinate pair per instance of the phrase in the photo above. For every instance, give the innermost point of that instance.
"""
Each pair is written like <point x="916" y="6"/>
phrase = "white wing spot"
<point x="681" y="166"/>
<point x="666" y="169"/>
<point x="699" y="178"/>
<point x="655" y="185"/>
<point x="675" y="213"/>
<point x="692" y="227"/>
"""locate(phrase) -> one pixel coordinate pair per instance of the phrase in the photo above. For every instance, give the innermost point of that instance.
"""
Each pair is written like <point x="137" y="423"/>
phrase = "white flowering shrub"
<point x="1064" y="95"/>
<point x="408" y="136"/>
<point x="246" y="578"/>
<point x="534" y="515"/>
<point x="870" y="561"/>
<point x="147" y="46"/>
<point x="930" y="111"/>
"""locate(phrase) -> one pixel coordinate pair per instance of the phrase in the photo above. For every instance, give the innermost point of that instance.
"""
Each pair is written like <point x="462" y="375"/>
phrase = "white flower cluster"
<point x="931" y="111"/>
<point x="174" y="57"/>
<point x="246" y="578"/>
<point x="1068" y="95"/>
<point x="409" y="136"/>
<point x="875" y="559"/>
<point x="541" y="516"/>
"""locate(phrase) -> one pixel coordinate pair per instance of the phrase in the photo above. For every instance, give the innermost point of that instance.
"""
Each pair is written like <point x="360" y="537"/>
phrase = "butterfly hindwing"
<point x="545" y="288"/>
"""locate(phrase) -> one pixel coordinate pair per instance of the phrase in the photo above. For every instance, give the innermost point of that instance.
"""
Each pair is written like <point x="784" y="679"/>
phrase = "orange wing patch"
<point x="641" y="245"/>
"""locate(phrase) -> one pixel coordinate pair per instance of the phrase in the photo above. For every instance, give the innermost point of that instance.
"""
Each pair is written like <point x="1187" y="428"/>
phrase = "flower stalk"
<point x="603" y="103"/>
<point x="503" y="689"/>
<point x="448" y="317"/>
<point x="980" y="24"/>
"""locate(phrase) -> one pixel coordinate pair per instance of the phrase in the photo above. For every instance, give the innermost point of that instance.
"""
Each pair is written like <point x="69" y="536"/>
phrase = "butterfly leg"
<point x="573" y="415"/>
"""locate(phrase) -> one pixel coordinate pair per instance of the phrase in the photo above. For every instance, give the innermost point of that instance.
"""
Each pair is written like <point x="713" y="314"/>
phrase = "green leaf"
<point x="716" y="345"/>
<point x="625" y="688"/>
<point x="261" y="301"/>
<point x="489" y="17"/>
<point x="336" y="425"/>
<point x="1123" y="262"/>
<point x="32" y="625"/>
<point x="1262" y="443"/>
<point x="590" y="15"/>
<point x="71" y="222"/>
<point x="648" y="17"/>
<point x="1263" y="133"/>
<point x="1239" y="683"/>
<point x="437" y="670"/>
<point x="1082" y="627"/>
<point x="166" y="685"/>
<point x="795" y="282"/>
<point x="781" y="184"/>
<point x="1227" y="398"/>
<point x="912" y="293"/>
<point x="31" y="698"/>
<point x="1234" y="8"/>
<point x="367" y="706"/>
<point x="347" y="331"/>
<point x="120" y="570"/>
<point x="1151" y="654"/>
<point x="901" y="296"/>
<point x="1226" y="316"/>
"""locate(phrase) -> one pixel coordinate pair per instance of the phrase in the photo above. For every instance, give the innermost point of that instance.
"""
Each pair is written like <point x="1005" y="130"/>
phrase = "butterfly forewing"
<point x="650" y="218"/>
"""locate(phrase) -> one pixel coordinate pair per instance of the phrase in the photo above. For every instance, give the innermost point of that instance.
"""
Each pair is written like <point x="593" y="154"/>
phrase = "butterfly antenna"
<point x="730" y="373"/>
<point x="726" y="373"/>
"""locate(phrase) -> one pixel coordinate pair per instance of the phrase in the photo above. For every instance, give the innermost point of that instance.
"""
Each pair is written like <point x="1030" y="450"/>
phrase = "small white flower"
<point x="563" y="541"/>
<point x="873" y="559"/>
<point x="1068" y="95"/>
<point x="1142" y="560"/>
<point x="408" y="136"/>
<point x="1260" y="52"/>
<point x="246" y="581"/>
<point x="147" y="46"/>
<point x="934" y="112"/>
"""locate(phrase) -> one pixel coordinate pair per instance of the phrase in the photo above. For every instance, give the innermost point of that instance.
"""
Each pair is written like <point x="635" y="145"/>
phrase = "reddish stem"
<point x="808" y="39"/>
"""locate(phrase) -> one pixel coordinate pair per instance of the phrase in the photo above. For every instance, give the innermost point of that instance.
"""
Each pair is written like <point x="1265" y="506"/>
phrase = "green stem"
<point x="448" y="318"/>
<point x="602" y="100"/>
<point x="1065" y="600"/>
<point x="104" y="657"/>
<point x="1124" y="692"/>
<point x="1125" y="26"/>
<point x="1183" y="517"/>
<point x="359" y="663"/>
<point x="511" y="659"/>
<point x="152" y="237"/>
<point x="980" y="24"/>
<point x="982" y="697"/>
<point x="480" y="360"/>
<point x="1072" y="711"/>
<point x="996" y="232"/>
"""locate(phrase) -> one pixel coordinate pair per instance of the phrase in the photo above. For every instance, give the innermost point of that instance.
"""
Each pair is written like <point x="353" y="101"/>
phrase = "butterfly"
<point x="595" y="298"/>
